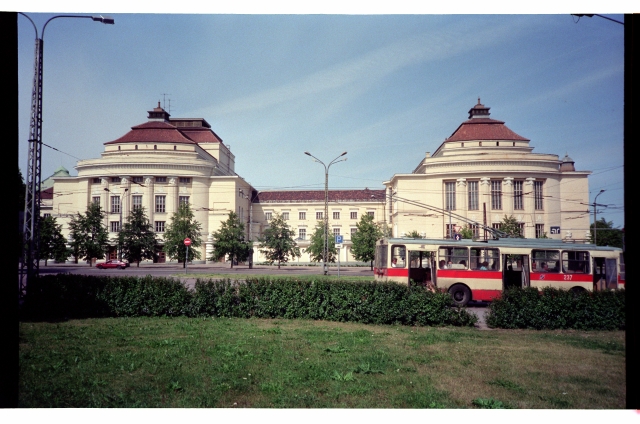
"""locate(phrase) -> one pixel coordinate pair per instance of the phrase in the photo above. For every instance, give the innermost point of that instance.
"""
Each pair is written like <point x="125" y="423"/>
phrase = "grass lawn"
<point x="256" y="363"/>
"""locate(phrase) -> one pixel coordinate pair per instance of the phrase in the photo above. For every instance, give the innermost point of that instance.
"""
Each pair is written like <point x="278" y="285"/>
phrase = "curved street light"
<point x="326" y="203"/>
<point x="34" y="161"/>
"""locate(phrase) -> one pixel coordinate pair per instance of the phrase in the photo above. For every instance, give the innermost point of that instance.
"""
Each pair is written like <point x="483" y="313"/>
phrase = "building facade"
<point x="483" y="172"/>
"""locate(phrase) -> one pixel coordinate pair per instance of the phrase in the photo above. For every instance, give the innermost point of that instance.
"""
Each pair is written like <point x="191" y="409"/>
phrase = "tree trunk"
<point x="138" y="264"/>
<point x="371" y="265"/>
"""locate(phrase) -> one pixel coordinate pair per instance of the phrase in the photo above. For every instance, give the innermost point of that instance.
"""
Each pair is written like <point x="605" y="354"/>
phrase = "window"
<point x="575" y="262"/>
<point x="475" y="231"/>
<point x="521" y="228"/>
<point x="285" y="216"/>
<point x="537" y="194"/>
<point x="302" y="233"/>
<point x="160" y="226"/>
<point x="354" y="215"/>
<point x="46" y="215"/>
<point x="517" y="195"/>
<point x="136" y="179"/>
<point x="496" y="194"/>
<point x="450" y="196"/>
<point x="115" y="204"/>
<point x="183" y="200"/>
<point x="398" y="256"/>
<point x="472" y="187"/>
<point x="545" y="261"/>
<point x="539" y="230"/>
<point x="302" y="216"/>
<point x="160" y="203"/>
<point x="136" y="147"/>
<point x="155" y="147"/>
<point x="136" y="202"/>
<point x="336" y="215"/>
<point x="453" y="257"/>
<point x="267" y="216"/>
<point x="96" y="180"/>
<point x="185" y="180"/>
<point x="353" y="231"/>
<point x="450" y="230"/>
<point x="371" y="214"/>
<point x="161" y="179"/>
<point x="485" y="259"/>
<point x="496" y="225"/>
<point x="319" y="215"/>
<point x="95" y="200"/>
<point x="336" y="232"/>
<point x="115" y="226"/>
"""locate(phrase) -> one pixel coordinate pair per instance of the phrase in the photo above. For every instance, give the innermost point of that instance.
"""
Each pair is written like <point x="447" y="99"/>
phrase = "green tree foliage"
<point x="182" y="225"/>
<point x="316" y="245"/>
<point x="466" y="232"/>
<point x="511" y="226"/>
<point x="412" y="234"/>
<point x="137" y="238"/>
<point x="89" y="236"/>
<point x="53" y="245"/>
<point x="278" y="243"/>
<point x="365" y="237"/>
<point x="607" y="234"/>
<point x="230" y="240"/>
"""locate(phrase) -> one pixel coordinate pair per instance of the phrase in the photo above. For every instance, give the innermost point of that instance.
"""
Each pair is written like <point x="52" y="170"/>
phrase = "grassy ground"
<point x="186" y="362"/>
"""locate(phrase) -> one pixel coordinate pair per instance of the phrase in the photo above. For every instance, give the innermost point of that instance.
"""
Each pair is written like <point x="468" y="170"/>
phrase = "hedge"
<point x="68" y="296"/>
<point x="558" y="309"/>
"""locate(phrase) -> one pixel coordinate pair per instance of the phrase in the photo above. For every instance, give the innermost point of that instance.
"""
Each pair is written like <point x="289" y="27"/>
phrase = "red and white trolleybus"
<point x="480" y="270"/>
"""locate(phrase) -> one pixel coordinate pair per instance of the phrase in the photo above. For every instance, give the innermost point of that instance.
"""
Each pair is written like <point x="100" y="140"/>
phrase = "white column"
<point x="149" y="199"/>
<point x="529" y="208"/>
<point x="507" y="196"/>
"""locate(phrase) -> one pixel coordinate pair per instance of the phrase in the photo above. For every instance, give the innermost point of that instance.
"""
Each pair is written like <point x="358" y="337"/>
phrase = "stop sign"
<point x="187" y="241"/>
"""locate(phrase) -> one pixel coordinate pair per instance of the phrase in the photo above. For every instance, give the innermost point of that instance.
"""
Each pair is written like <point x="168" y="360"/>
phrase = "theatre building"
<point x="483" y="172"/>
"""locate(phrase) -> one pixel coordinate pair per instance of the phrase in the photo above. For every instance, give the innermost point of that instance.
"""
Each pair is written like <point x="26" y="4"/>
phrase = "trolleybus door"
<point x="420" y="266"/>
<point x="515" y="271"/>
<point x="605" y="273"/>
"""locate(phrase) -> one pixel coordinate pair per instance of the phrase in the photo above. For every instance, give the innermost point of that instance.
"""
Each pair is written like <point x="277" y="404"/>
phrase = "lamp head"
<point x="307" y="153"/>
<point x="104" y="19"/>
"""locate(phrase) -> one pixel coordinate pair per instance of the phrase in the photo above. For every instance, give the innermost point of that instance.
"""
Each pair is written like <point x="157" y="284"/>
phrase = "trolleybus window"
<point x="398" y="256"/>
<point x="381" y="256"/>
<point x="453" y="257"/>
<point x="575" y="262"/>
<point x="545" y="261"/>
<point x="485" y="259"/>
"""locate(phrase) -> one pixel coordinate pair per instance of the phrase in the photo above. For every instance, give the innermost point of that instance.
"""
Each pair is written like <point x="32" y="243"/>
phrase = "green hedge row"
<point x="67" y="296"/>
<point x="558" y="309"/>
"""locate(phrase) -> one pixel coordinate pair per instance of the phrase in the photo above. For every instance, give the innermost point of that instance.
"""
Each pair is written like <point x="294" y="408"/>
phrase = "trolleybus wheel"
<point x="460" y="294"/>
<point x="577" y="290"/>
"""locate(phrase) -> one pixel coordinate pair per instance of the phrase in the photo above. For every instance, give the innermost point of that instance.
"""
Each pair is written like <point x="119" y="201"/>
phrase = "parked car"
<point x="113" y="264"/>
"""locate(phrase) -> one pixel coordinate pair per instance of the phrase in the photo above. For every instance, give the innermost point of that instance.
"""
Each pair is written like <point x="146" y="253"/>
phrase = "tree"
<point x="278" y="243"/>
<point x="53" y="245"/>
<point x="89" y="236"/>
<point x="316" y="245"/>
<point x="364" y="240"/>
<point x="466" y="232"/>
<point x="229" y="240"/>
<point x="511" y="226"/>
<point x="607" y="234"/>
<point x="182" y="225"/>
<point x="136" y="239"/>
<point x="413" y="234"/>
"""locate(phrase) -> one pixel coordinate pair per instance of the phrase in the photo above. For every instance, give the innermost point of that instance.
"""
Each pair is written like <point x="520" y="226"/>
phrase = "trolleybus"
<point x="479" y="270"/>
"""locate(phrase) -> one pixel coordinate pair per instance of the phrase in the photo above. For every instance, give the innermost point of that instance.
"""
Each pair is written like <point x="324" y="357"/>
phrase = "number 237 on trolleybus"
<point x="481" y="270"/>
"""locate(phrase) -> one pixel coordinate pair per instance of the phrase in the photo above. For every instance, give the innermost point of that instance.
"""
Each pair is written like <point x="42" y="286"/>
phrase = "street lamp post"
<point x="326" y="204"/>
<point x="595" y="221"/>
<point x="34" y="161"/>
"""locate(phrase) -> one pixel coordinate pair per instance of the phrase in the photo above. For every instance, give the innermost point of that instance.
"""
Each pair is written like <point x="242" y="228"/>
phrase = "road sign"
<point x="187" y="241"/>
<point x="338" y="239"/>
<point x="555" y="230"/>
<point x="457" y="237"/>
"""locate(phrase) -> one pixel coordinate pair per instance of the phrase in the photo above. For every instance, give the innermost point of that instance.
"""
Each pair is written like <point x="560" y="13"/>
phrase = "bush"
<point x="558" y="309"/>
<point x="67" y="296"/>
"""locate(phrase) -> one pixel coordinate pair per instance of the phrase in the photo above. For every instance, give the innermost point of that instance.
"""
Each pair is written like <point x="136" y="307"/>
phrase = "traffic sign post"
<point x="338" y="247"/>
<point x="187" y="243"/>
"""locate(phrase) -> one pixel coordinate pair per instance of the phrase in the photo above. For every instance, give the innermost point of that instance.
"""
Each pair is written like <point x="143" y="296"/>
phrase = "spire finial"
<point x="478" y="99"/>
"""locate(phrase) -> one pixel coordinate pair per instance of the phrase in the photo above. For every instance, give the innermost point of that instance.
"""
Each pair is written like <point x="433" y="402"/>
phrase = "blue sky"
<point x="385" y="87"/>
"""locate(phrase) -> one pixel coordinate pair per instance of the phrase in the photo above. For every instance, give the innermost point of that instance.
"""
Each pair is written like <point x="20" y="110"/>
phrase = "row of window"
<point x="182" y="180"/>
<point x="302" y="216"/>
<point x="114" y="226"/>
<point x="302" y="233"/>
<point x="496" y="195"/>
<point x="450" y="229"/>
<point x="136" y="202"/>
